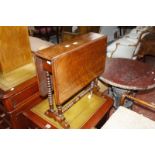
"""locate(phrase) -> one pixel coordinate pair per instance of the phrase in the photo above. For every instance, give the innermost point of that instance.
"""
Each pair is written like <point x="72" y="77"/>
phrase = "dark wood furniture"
<point x="18" y="82"/>
<point x="36" y="118"/>
<point x="123" y="29"/>
<point x="128" y="75"/>
<point x="71" y="71"/>
<point x="45" y="32"/>
<point x="14" y="101"/>
<point x="143" y="101"/>
<point x="68" y="33"/>
<point x="148" y="44"/>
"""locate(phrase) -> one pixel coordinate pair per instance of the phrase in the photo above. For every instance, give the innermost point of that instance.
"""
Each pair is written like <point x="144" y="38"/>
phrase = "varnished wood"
<point x="148" y="44"/>
<point x="145" y="99"/>
<point x="12" y="99"/>
<point x="14" y="102"/>
<point x="14" y="48"/>
<point x="74" y="71"/>
<point x="51" y="53"/>
<point x="39" y="122"/>
<point x="59" y="118"/>
<point x="50" y="95"/>
<point x="67" y="33"/>
<point x="75" y="64"/>
<point x="71" y="66"/>
<point x="41" y="76"/>
<point x="18" y="81"/>
<point x="128" y="74"/>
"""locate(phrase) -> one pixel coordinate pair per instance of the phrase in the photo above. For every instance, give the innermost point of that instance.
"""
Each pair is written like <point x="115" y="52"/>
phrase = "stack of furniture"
<point x="46" y="32"/>
<point x="69" y="32"/>
<point x="18" y="81"/>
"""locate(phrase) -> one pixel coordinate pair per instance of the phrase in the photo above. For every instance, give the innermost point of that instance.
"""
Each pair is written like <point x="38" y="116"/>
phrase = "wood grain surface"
<point x="128" y="74"/>
<point x="74" y="64"/>
<point x="76" y="69"/>
<point x="14" y="48"/>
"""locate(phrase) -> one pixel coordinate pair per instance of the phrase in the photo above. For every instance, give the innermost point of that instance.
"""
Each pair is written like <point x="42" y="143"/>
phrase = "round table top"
<point x="128" y="74"/>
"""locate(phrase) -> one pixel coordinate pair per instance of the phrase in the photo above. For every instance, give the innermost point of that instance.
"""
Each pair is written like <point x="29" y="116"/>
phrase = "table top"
<point x="58" y="50"/>
<point x="128" y="74"/>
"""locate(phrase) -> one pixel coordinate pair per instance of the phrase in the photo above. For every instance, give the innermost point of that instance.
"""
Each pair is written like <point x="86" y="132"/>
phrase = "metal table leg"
<point x="116" y="94"/>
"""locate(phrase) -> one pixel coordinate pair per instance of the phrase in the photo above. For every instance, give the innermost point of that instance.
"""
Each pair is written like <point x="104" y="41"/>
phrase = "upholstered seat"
<point x="128" y="46"/>
<point x="124" y="118"/>
<point x="38" y="44"/>
<point x="140" y="29"/>
<point x="137" y="35"/>
<point x="123" y="48"/>
<point x="123" y="41"/>
<point x="123" y="52"/>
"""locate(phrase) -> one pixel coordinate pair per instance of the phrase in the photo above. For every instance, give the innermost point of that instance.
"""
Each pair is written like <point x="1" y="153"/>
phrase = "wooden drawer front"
<point x="23" y="95"/>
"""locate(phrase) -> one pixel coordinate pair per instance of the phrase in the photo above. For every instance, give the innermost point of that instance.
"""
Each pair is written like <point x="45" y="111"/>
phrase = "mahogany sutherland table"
<point x="71" y="69"/>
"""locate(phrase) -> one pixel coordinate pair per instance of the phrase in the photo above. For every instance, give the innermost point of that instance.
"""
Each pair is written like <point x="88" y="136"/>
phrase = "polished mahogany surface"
<point x="74" y="64"/>
<point x="75" y="70"/>
<point x="60" y="49"/>
<point x="128" y="74"/>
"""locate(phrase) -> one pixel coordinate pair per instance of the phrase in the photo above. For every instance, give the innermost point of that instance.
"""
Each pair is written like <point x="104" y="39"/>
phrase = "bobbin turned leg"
<point x="91" y="88"/>
<point x="96" y="85"/>
<point x="50" y="96"/>
<point x="96" y="88"/>
<point x="58" y="116"/>
<point x="50" y="112"/>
